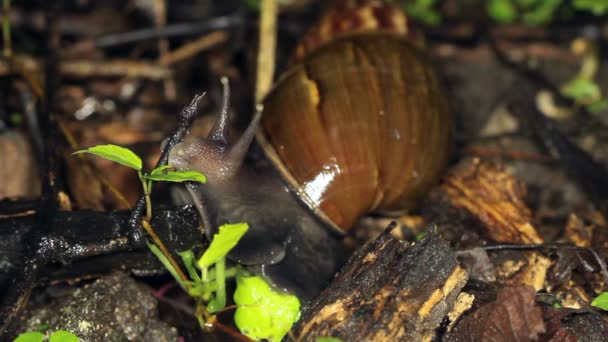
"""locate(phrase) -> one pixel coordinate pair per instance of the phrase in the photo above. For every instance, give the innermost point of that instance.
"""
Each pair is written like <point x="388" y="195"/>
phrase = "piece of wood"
<point x="388" y="291"/>
<point x="486" y="193"/>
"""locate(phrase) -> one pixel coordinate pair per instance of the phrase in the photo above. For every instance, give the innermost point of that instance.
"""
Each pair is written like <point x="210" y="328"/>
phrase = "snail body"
<point x="359" y="125"/>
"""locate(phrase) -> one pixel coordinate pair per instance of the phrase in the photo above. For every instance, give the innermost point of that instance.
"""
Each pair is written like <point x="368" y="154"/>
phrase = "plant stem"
<point x="158" y="242"/>
<point x="220" y="281"/>
<point x="266" y="50"/>
<point x="204" y="274"/>
<point x="147" y="186"/>
<point x="6" y="28"/>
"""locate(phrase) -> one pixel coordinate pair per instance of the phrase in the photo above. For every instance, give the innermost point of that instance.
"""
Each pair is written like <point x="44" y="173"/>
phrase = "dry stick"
<point x="26" y="64"/>
<point x="175" y="30"/>
<point x="130" y="68"/>
<point x="192" y="48"/>
<point x="160" y="20"/>
<point x="515" y="155"/>
<point x="229" y="331"/>
<point x="158" y="242"/>
<point x="267" y="47"/>
<point x="6" y="28"/>
<point x="600" y="261"/>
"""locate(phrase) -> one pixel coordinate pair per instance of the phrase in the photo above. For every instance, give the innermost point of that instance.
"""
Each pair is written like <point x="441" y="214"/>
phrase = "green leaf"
<point x="328" y="339"/>
<point x="598" y="106"/>
<point x="502" y="11"/>
<point x="160" y="169"/>
<point x="116" y="154"/>
<point x="597" y="7"/>
<point x="419" y="236"/>
<point x="263" y="313"/>
<point x="423" y="10"/>
<point x="167" y="264"/>
<point x="63" y="336"/>
<point x="580" y="89"/>
<point x="601" y="301"/>
<point x="178" y="176"/>
<point x="227" y="237"/>
<point x="542" y="13"/>
<point x="31" y="336"/>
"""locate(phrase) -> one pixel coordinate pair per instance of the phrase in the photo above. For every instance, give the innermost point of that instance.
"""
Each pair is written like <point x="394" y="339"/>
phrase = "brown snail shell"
<point x="357" y="16"/>
<point x="360" y="125"/>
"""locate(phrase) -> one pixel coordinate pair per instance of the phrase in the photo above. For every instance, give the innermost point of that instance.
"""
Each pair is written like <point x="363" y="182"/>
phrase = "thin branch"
<point x="266" y="51"/>
<point x="598" y="259"/>
<point x="192" y="48"/>
<point x="177" y="30"/>
<point x="6" y="28"/>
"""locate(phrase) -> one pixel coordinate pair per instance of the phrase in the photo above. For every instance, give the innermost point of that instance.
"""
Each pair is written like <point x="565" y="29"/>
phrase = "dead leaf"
<point x="514" y="316"/>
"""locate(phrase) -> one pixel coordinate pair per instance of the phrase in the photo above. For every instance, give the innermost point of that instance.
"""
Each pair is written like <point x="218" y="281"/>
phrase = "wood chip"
<point x="388" y="291"/>
<point x="495" y="198"/>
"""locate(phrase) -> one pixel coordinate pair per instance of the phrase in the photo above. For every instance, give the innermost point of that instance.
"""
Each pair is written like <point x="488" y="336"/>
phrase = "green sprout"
<point x="425" y="11"/>
<point x="261" y="312"/>
<point x="531" y="12"/>
<point x="57" y="336"/>
<point x="129" y="159"/>
<point x="420" y="236"/>
<point x="583" y="87"/>
<point x="539" y="12"/>
<point x="601" y="301"/>
<point x="597" y="7"/>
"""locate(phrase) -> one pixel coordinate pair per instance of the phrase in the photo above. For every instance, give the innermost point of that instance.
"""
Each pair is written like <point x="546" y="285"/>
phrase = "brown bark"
<point x="388" y="291"/>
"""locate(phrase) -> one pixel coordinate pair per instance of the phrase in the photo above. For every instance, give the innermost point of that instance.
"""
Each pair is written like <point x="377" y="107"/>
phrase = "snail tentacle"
<point x="219" y="132"/>
<point x="238" y="151"/>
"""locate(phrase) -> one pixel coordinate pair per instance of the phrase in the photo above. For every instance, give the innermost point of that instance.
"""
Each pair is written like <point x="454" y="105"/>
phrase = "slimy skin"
<point x="285" y="243"/>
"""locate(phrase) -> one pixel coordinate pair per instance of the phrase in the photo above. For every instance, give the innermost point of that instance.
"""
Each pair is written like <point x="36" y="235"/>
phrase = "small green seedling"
<point x="531" y="12"/>
<point x="57" y="336"/>
<point x="601" y="301"/>
<point x="210" y="286"/>
<point x="420" y="236"/>
<point x="540" y="12"/>
<point x="129" y="159"/>
<point x="426" y="11"/>
<point x="597" y="7"/>
<point x="263" y="313"/>
<point x="583" y="88"/>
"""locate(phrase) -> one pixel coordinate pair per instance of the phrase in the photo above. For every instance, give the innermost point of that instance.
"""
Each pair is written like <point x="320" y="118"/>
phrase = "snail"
<point x="358" y="125"/>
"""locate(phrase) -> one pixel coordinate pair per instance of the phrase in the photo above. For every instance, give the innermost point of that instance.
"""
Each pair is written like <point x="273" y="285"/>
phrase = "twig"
<point x="598" y="259"/>
<point x="515" y="155"/>
<point x="6" y="28"/>
<point x="229" y="331"/>
<point x="49" y="162"/>
<point x="267" y="47"/>
<point x="26" y="64"/>
<point x="158" y="242"/>
<point x="128" y="68"/>
<point x="192" y="48"/>
<point x="177" y="30"/>
<point x="160" y="20"/>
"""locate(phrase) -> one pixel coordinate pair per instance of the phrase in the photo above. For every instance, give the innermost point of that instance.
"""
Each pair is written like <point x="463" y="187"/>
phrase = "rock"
<point x="113" y="308"/>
